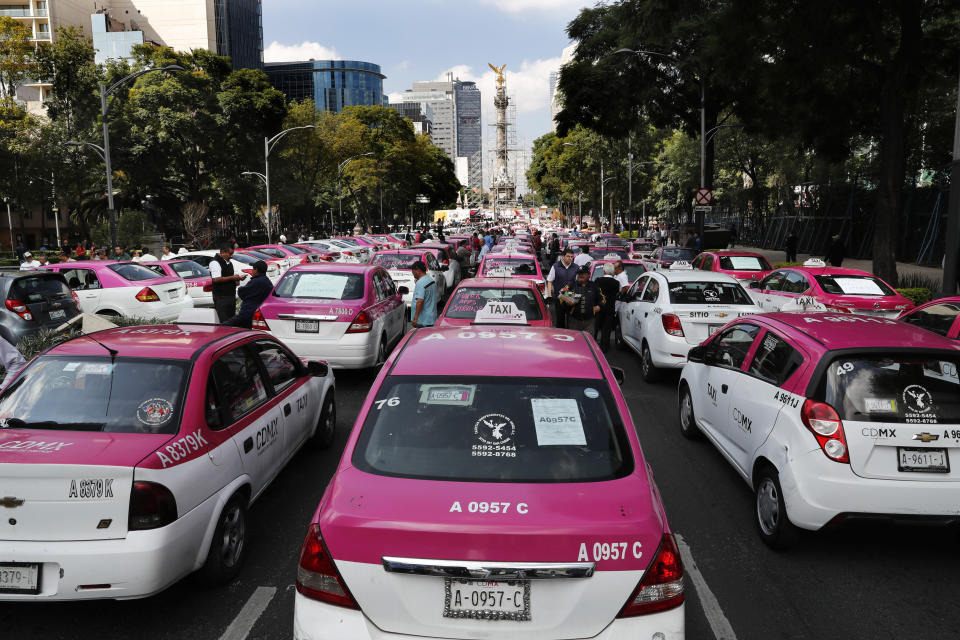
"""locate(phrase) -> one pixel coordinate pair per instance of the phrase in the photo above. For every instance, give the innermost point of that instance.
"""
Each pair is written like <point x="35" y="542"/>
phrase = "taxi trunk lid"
<point x="326" y="321"/>
<point x="383" y="534"/>
<point x="701" y="323"/>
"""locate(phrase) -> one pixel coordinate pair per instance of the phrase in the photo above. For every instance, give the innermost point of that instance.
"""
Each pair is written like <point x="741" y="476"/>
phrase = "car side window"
<point x="775" y="360"/>
<point x="240" y="384"/>
<point x="157" y="269"/>
<point x="652" y="292"/>
<point x="88" y="279"/>
<point x="432" y="262"/>
<point x="795" y="283"/>
<point x="938" y="318"/>
<point x="730" y="348"/>
<point x="378" y="287"/>
<point x="211" y="407"/>
<point x="281" y="368"/>
<point x="773" y="282"/>
<point x="697" y="262"/>
<point x="707" y="263"/>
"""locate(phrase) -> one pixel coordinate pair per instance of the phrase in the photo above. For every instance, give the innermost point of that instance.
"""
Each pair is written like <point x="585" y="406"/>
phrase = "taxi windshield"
<point x="395" y="260"/>
<point x="322" y="284"/>
<point x="467" y="301"/>
<point x="676" y="254"/>
<point x="708" y="293"/>
<point x="494" y="430"/>
<point x="516" y="266"/>
<point x="844" y="285"/>
<point x="91" y="393"/>
<point x="744" y="263"/>
<point x="906" y="389"/>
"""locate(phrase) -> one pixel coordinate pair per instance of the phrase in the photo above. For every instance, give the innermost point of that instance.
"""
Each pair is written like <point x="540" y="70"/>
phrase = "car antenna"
<point x="113" y="352"/>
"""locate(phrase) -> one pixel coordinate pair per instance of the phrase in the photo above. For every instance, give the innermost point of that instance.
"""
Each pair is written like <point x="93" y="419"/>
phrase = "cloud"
<point x="519" y="6"/>
<point x="528" y="87"/>
<point x="395" y="97"/>
<point x="277" y="52"/>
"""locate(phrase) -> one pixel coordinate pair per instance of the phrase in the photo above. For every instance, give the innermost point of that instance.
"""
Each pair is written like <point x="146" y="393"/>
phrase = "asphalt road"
<point x="870" y="581"/>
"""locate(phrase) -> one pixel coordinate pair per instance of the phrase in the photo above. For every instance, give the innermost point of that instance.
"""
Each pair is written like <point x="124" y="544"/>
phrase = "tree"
<point x="17" y="60"/>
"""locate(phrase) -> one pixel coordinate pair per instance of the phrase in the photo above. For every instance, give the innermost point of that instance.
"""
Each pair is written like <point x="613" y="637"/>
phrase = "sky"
<point x="421" y="40"/>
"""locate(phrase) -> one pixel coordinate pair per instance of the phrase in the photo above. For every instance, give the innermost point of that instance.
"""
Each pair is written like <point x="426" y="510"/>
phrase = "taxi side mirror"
<point x="754" y="285"/>
<point x="618" y="375"/>
<point x="403" y="291"/>
<point x="696" y="354"/>
<point x="318" y="368"/>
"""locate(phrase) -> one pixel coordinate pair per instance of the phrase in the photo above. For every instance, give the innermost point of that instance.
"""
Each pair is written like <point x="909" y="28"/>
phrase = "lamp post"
<point x="263" y="179"/>
<point x="6" y="201"/>
<point x="53" y="198"/>
<point x="579" y="192"/>
<point x="357" y="230"/>
<point x="268" y="145"/>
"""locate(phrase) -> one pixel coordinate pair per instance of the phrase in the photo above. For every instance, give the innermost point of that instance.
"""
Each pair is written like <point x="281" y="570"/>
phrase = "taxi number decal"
<point x="92" y="488"/>
<point x="302" y="403"/>
<point x="489" y="507"/>
<point x="787" y="398"/>
<point x="182" y="448"/>
<point x="609" y="551"/>
<point x="850" y="318"/>
<point x="390" y="402"/>
<point x="505" y="335"/>
<point x="845" y="368"/>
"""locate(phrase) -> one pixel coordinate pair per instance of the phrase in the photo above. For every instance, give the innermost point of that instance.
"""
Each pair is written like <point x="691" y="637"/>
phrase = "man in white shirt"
<point x="29" y="264"/>
<point x="583" y="258"/>
<point x="166" y="254"/>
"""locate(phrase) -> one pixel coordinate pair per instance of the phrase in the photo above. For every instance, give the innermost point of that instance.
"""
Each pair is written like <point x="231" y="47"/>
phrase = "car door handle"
<point x="286" y="409"/>
<point x="248" y="445"/>
<point x="724" y="388"/>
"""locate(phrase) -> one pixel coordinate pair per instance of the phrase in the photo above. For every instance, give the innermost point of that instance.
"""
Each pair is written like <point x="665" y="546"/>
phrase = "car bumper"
<point x="351" y="351"/>
<point x="314" y="620"/>
<point x="669" y="352"/>
<point x="158" y="310"/>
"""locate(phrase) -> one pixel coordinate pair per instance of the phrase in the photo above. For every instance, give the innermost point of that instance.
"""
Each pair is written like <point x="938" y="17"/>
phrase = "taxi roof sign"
<point x="500" y="313"/>
<point x="815" y="262"/>
<point x="681" y="265"/>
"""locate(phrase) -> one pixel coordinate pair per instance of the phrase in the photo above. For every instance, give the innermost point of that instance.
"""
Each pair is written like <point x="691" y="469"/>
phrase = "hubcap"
<point x="686" y="412"/>
<point x="768" y="506"/>
<point x="234" y="532"/>
<point x="331" y="418"/>
<point x="645" y="361"/>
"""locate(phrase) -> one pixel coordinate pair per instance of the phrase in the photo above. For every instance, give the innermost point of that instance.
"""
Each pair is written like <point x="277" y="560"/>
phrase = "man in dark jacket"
<point x="252" y="296"/>
<point x="790" y="246"/>
<point x="562" y="274"/>
<point x="224" y="283"/>
<point x="609" y="291"/>
<point x="581" y="303"/>
<point x="837" y="252"/>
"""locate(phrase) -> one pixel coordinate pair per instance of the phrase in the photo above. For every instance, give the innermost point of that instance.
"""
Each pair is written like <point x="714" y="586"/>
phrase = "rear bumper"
<point x="669" y="352"/>
<point x="158" y="310"/>
<point x="314" y="620"/>
<point x="351" y="351"/>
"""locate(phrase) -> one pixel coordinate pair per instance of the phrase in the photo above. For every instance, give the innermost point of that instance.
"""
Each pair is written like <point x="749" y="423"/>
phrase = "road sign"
<point x="704" y="209"/>
<point x="704" y="196"/>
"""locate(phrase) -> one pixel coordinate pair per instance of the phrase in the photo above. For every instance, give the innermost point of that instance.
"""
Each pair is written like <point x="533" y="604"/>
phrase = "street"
<point x="842" y="584"/>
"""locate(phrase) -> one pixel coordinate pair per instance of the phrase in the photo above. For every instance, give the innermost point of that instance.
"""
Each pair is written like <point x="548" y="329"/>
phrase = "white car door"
<point x="290" y="393"/>
<point x="628" y="313"/>
<point x="770" y="296"/>
<point x="433" y="269"/>
<point x="85" y="284"/>
<point x="649" y="324"/>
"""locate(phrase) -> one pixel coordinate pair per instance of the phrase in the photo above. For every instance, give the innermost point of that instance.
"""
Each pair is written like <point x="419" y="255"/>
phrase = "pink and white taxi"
<point x="940" y="316"/>
<point x="501" y="493"/>
<point x="742" y="265"/>
<point x="195" y="276"/>
<point x="512" y="265"/>
<point x="830" y="417"/>
<point x="350" y="315"/>
<point x="129" y="457"/>
<point x="473" y="295"/>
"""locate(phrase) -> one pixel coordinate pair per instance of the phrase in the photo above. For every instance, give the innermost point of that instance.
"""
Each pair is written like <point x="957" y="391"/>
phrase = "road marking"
<point x="711" y="606"/>
<point x="240" y="628"/>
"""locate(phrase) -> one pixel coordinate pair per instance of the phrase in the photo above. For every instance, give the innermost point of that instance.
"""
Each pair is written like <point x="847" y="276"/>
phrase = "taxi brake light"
<point x="152" y="506"/>
<point x="76" y="300"/>
<point x="20" y="308"/>
<point x="259" y="322"/>
<point x="207" y="288"/>
<point x="363" y="323"/>
<point x="671" y="324"/>
<point x="662" y="585"/>
<point x="148" y="295"/>
<point x="837" y="309"/>
<point x="825" y="425"/>
<point x="317" y="577"/>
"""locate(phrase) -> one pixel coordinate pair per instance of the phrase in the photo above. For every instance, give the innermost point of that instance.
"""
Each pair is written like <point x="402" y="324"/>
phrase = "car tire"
<point x="770" y="512"/>
<point x="618" y="336"/>
<point x="381" y="356"/>
<point x="228" y="547"/>
<point x="688" y="420"/>
<point x="648" y="370"/>
<point x="326" y="430"/>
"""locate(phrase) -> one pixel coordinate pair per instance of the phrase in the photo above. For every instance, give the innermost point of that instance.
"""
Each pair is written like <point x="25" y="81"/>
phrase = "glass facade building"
<point x="239" y="28"/>
<point x="331" y="84"/>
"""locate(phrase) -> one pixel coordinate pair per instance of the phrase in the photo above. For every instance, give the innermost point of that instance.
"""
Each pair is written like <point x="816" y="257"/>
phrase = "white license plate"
<point x="57" y="315"/>
<point x="307" y="326"/>
<point x="20" y="578"/>
<point x="712" y="328"/>
<point x="487" y="600"/>
<point x="929" y="460"/>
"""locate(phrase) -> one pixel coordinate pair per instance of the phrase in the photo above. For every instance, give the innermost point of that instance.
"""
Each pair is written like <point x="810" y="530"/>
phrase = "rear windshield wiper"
<point x="17" y="423"/>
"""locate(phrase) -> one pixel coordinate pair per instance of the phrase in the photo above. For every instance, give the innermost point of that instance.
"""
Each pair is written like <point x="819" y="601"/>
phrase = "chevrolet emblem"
<point x="925" y="437"/>
<point x="10" y="502"/>
<point x="721" y="315"/>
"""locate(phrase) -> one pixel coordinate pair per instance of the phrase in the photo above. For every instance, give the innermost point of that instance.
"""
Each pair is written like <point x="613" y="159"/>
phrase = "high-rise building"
<point x="420" y="115"/>
<point x="112" y="39"/>
<point x="331" y="84"/>
<point x="556" y="100"/>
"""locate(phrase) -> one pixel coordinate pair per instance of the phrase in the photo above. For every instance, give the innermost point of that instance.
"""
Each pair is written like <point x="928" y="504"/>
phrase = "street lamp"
<point x="357" y="230"/>
<point x="53" y="199"/>
<point x="579" y="192"/>
<point x="6" y="201"/>
<point x="263" y="179"/>
<point x="268" y="145"/>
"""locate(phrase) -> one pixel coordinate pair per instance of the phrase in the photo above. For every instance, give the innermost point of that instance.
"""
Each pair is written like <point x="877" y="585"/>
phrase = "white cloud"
<point x="277" y="52"/>
<point x="528" y="87"/>
<point x="519" y="6"/>
<point x="395" y="97"/>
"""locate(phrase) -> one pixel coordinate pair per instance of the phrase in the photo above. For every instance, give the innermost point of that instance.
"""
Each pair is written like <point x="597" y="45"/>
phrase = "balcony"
<point x="26" y="12"/>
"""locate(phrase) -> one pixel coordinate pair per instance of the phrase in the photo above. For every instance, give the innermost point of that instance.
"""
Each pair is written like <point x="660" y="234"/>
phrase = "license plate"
<point x="307" y="326"/>
<point x="928" y="460"/>
<point x="57" y="315"/>
<point x="487" y="600"/>
<point x="712" y="328"/>
<point x="18" y="577"/>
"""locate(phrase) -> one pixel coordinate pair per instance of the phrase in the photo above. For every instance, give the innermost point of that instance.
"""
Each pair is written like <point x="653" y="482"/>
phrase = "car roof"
<point x="400" y="252"/>
<point x="694" y="275"/>
<point x="346" y="267"/>
<point x="169" y="341"/>
<point x="733" y="252"/>
<point x="850" y="331"/>
<point x="503" y="254"/>
<point x="548" y="353"/>
<point x="498" y="283"/>
<point x="829" y="271"/>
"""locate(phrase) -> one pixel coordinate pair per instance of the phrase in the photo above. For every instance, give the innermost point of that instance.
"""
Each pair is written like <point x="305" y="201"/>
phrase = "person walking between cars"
<point x="252" y="296"/>
<point x="224" y="283"/>
<point x="790" y="246"/>
<point x="837" y="252"/>
<point x="423" y="311"/>
<point x="609" y="286"/>
<point x="11" y="360"/>
<point x="581" y="302"/>
<point x="563" y="274"/>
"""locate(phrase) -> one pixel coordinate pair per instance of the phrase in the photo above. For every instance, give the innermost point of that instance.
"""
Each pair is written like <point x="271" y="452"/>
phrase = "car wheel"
<point x="647" y="368"/>
<point x="326" y="425"/>
<point x="618" y="336"/>
<point x="688" y="421"/>
<point x="772" y="522"/>
<point x="381" y="354"/>
<point x="228" y="547"/>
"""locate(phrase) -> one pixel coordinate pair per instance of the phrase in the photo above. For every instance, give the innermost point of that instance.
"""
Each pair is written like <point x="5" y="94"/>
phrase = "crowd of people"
<point x="29" y="261"/>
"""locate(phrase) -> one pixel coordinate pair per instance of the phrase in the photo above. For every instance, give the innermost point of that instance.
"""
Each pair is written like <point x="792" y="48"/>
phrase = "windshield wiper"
<point x="17" y="423"/>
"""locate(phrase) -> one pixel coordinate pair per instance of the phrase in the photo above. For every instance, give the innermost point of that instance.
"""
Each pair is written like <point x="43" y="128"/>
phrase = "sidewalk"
<point x="903" y="268"/>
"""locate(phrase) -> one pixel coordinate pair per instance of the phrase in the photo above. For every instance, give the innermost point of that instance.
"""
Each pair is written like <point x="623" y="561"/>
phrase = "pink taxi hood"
<point x="34" y="446"/>
<point x="364" y="517"/>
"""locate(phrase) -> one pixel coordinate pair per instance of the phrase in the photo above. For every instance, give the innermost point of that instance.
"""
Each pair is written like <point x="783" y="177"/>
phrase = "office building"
<point x="112" y="39"/>
<point x="556" y="99"/>
<point x="331" y="84"/>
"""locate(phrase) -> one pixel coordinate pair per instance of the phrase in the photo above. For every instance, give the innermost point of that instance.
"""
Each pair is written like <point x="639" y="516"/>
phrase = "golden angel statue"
<point x="499" y="72"/>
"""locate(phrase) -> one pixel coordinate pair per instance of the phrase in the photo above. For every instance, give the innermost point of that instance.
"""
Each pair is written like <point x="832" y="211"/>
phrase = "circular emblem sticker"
<point x="917" y="399"/>
<point x="494" y="429"/>
<point x="155" y="412"/>
<point x="591" y="393"/>
<point x="711" y="295"/>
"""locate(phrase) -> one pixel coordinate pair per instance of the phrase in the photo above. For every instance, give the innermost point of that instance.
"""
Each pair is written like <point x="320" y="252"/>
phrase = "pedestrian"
<point x="697" y="243"/>
<point x="476" y="244"/>
<point x="101" y="254"/>
<point x="790" y="246"/>
<point x="80" y="252"/>
<point x="65" y="256"/>
<point x="166" y="254"/>
<point x="581" y="302"/>
<point x="423" y="311"/>
<point x="29" y="264"/>
<point x="224" y="283"/>
<point x="657" y="237"/>
<point x="554" y="249"/>
<point x="120" y="255"/>
<point x="251" y="296"/>
<point x="21" y="251"/>
<point x="283" y="239"/>
<point x="609" y="286"/>
<point x="583" y="258"/>
<point x="837" y="252"/>
<point x="146" y="256"/>
<point x="621" y="275"/>
<point x="733" y="235"/>
<point x="12" y="361"/>
<point x="691" y="242"/>
<point x="562" y="275"/>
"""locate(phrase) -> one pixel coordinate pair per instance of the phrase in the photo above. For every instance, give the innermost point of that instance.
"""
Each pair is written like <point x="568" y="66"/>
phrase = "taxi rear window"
<point x="854" y="286"/>
<point x="708" y="293"/>
<point x="676" y="254"/>
<point x="516" y="266"/>
<point x="133" y="272"/>
<point x="744" y="263"/>
<point x="326" y="285"/>
<point x="494" y="430"/>
<point x="906" y="389"/>
<point x="468" y="300"/>
<point x="93" y="393"/>
<point x="395" y="261"/>
<point x="189" y="269"/>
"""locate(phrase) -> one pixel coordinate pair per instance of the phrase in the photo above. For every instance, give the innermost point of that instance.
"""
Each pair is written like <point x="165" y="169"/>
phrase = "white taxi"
<point x="665" y="313"/>
<point x="398" y="264"/>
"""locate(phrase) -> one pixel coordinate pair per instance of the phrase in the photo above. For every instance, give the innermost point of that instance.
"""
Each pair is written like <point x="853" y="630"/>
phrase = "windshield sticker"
<point x="591" y="393"/>
<point x="158" y="332"/>
<point x="496" y="433"/>
<point x="844" y="368"/>
<point x="858" y="286"/>
<point x="460" y="395"/>
<point x="558" y="422"/>
<point x="96" y="369"/>
<point x="155" y="412"/>
<point x="849" y="318"/>
<point x="320" y="285"/>
<point x="918" y="405"/>
<point x="71" y="366"/>
<point x="770" y="343"/>
<point x="711" y="295"/>
<point x="390" y="402"/>
<point x="879" y="405"/>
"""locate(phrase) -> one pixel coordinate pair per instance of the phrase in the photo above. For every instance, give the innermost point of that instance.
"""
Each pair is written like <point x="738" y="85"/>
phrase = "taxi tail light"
<point x="363" y="323"/>
<point x="662" y="585"/>
<point x="259" y="322"/>
<point x="207" y="288"/>
<point x="152" y="506"/>
<point x="20" y="308"/>
<point x="671" y="324"/>
<point x="327" y="258"/>
<point x="317" y="577"/>
<point x="542" y="286"/>
<point x="76" y="300"/>
<point x="347" y="253"/>
<point x="825" y="425"/>
<point x="148" y="295"/>
<point x="837" y="309"/>
<point x="305" y="260"/>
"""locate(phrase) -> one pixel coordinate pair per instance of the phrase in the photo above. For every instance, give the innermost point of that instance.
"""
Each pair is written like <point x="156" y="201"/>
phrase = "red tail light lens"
<point x="671" y="324"/>
<point x="662" y="585"/>
<point x="825" y="425"/>
<point x="207" y="288"/>
<point x="76" y="300"/>
<point x="317" y="577"/>
<point x="304" y="260"/>
<point x="20" y="308"/>
<point x="348" y="253"/>
<point x="363" y="323"/>
<point x="259" y="322"/>
<point x="148" y="295"/>
<point x="152" y="506"/>
<point x="831" y="307"/>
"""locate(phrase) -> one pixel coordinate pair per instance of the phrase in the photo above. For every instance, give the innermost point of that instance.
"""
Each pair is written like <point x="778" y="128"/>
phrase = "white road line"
<point x="240" y="628"/>
<point x="711" y="606"/>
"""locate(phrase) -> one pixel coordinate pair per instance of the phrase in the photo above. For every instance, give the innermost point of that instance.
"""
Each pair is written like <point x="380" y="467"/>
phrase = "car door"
<point x="768" y="295"/>
<point x="628" y="311"/>
<point x="392" y="305"/>
<point x="794" y="285"/>
<point x="86" y="285"/>
<point x="647" y="319"/>
<point x="433" y="268"/>
<point x="288" y="385"/>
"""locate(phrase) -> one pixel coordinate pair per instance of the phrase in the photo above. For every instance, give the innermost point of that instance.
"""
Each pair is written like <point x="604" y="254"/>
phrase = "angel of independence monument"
<point x="503" y="190"/>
